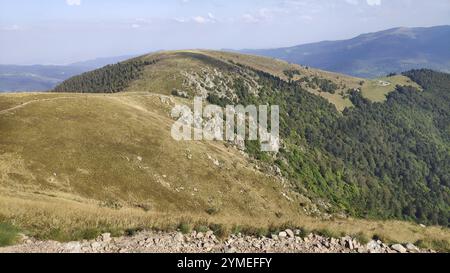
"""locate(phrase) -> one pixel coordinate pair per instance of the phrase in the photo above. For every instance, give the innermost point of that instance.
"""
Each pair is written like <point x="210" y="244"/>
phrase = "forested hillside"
<point x="109" y="79"/>
<point x="388" y="160"/>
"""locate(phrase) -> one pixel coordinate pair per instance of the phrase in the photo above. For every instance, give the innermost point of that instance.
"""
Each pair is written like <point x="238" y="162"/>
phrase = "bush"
<point x="219" y="230"/>
<point x="254" y="231"/>
<point x="9" y="234"/>
<point x="385" y="239"/>
<point x="438" y="245"/>
<point x="327" y="233"/>
<point x="303" y="232"/>
<point x="361" y="238"/>
<point x="185" y="227"/>
<point x="212" y="210"/>
<point x="201" y="226"/>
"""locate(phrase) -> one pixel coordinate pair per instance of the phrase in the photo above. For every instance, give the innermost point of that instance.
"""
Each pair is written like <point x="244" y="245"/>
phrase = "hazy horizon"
<point x="67" y="31"/>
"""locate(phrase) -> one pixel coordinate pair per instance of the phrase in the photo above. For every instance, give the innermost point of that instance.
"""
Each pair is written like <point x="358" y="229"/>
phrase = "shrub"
<point x="254" y="231"/>
<point x="327" y="233"/>
<point x="9" y="234"/>
<point x="385" y="239"/>
<point x="212" y="210"/>
<point x="184" y="227"/>
<point x="438" y="245"/>
<point x="219" y="230"/>
<point x="361" y="238"/>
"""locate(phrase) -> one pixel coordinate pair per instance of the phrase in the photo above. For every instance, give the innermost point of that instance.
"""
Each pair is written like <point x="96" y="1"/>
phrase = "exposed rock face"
<point x="399" y="248"/>
<point x="159" y="242"/>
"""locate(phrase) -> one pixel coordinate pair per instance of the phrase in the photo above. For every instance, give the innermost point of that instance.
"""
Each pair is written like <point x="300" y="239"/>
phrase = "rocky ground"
<point x="159" y="242"/>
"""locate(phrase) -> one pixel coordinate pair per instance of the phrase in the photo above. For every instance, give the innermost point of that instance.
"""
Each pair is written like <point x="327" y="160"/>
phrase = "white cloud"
<point x="373" y="2"/>
<point x="352" y="2"/>
<point x="12" y="28"/>
<point x="203" y="20"/>
<point x="249" y="18"/>
<point x="135" y="26"/>
<point x="180" y="20"/>
<point x="73" y="2"/>
<point x="200" y="19"/>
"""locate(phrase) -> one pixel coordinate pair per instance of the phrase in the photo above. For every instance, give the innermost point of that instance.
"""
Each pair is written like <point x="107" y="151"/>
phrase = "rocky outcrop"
<point x="158" y="242"/>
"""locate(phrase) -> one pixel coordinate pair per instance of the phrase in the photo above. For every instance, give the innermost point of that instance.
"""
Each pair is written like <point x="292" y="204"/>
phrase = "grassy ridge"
<point x="118" y="150"/>
<point x="163" y="72"/>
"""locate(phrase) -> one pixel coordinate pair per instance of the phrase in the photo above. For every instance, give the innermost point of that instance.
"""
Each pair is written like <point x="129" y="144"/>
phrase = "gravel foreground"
<point x="163" y="242"/>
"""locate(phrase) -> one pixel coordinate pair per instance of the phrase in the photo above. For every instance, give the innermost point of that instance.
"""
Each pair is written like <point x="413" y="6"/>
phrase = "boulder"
<point x="179" y="237"/>
<point x="106" y="237"/>
<point x="373" y="247"/>
<point x="290" y="233"/>
<point x="411" y="248"/>
<point x="399" y="248"/>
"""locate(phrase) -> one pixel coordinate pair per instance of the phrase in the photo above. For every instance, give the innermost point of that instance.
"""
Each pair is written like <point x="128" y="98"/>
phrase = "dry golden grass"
<point x="60" y="218"/>
<point x="119" y="147"/>
<point x="117" y="150"/>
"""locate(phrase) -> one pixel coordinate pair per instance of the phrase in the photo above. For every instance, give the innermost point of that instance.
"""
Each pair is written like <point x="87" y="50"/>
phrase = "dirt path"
<point x="117" y="98"/>
<point x="31" y="102"/>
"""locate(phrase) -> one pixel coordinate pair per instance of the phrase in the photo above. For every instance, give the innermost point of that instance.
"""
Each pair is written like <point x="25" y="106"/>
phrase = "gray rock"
<point x="399" y="248"/>
<point x="333" y="241"/>
<point x="73" y="247"/>
<point x="179" y="237"/>
<point x="411" y="248"/>
<point x="95" y="245"/>
<point x="106" y="237"/>
<point x="349" y="244"/>
<point x="373" y="247"/>
<point x="282" y="234"/>
<point x="231" y="250"/>
<point x="290" y="233"/>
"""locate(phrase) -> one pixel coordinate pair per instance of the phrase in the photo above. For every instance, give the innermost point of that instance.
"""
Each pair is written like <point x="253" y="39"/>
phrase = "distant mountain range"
<point x="373" y="54"/>
<point x="17" y="78"/>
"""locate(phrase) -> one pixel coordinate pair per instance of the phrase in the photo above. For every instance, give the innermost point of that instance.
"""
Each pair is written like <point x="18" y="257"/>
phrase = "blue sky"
<point x="64" y="31"/>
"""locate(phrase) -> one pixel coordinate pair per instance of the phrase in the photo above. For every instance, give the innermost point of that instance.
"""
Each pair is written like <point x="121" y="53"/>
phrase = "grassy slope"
<point x="70" y="162"/>
<point x="116" y="151"/>
<point x="100" y="185"/>
<point x="376" y="91"/>
<point x="90" y="145"/>
<point x="167" y="74"/>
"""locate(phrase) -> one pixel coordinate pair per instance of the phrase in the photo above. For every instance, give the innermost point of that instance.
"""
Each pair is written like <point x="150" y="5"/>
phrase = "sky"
<point x="66" y="31"/>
